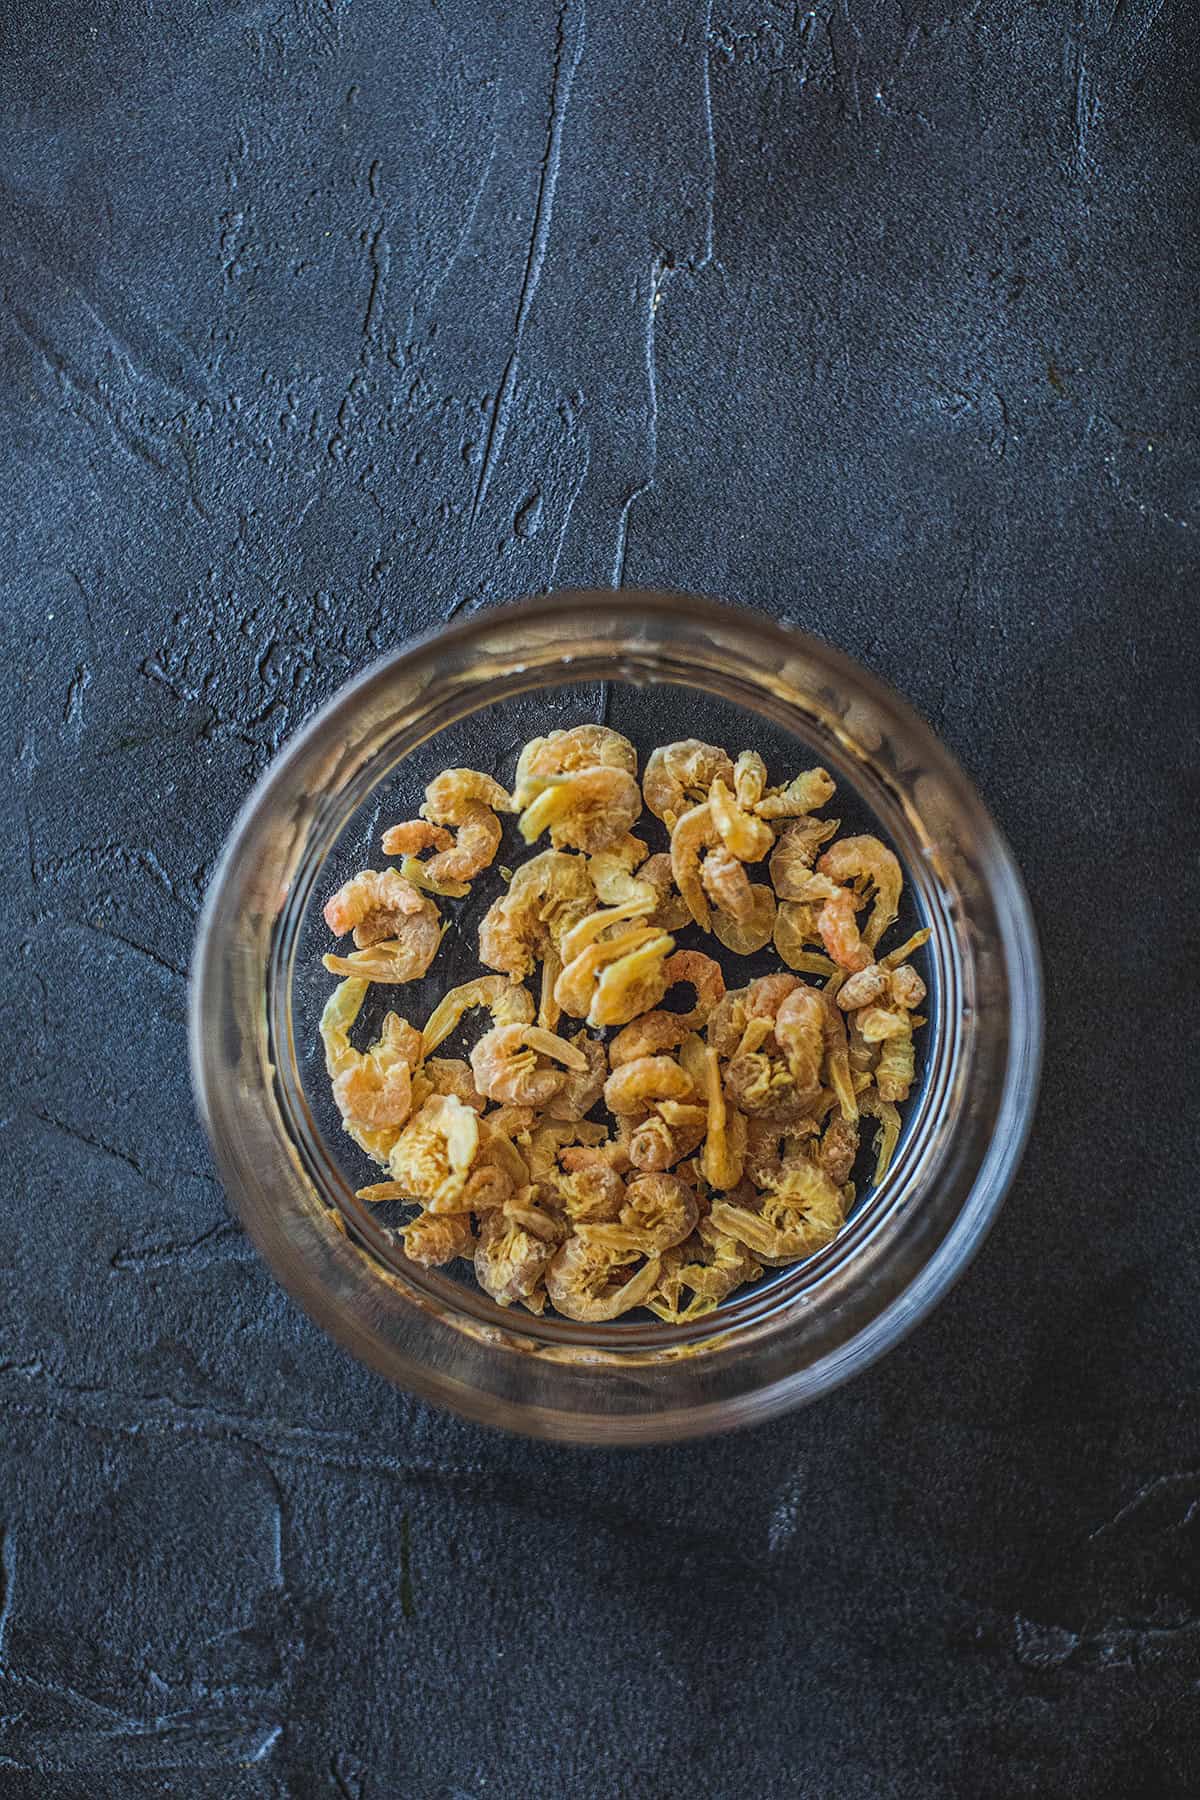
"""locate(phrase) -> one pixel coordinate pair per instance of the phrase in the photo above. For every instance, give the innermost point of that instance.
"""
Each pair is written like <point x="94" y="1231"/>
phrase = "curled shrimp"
<point x="450" y="1075"/>
<point x="693" y="832"/>
<point x="414" y="836"/>
<point x="795" y="929"/>
<point x="587" y="1281"/>
<point x="863" y="988"/>
<point x="888" y="1134"/>
<point x="748" y="936"/>
<point x="373" y="905"/>
<point x="801" y="1030"/>
<point x="372" y="1089"/>
<point x="510" y="1257"/>
<point x="432" y="1157"/>
<point x="592" y="1194"/>
<point x="581" y="747"/>
<point x="588" y="809"/>
<point x="506" y="1068"/>
<point x="808" y="791"/>
<point x="691" y="968"/>
<point x="633" y="983"/>
<point x="800" y="1216"/>
<point x="659" y="1141"/>
<point x="710" y="1265"/>
<point x="659" y="1211"/>
<point x="727" y="1021"/>
<point x="548" y="895"/>
<point x="763" y="1087"/>
<point x="765" y="996"/>
<point x="839" y="931"/>
<point x="374" y="1098"/>
<point x="432" y="1239"/>
<point x="476" y="840"/>
<point x="749" y="778"/>
<point x="410" y="936"/>
<point x="612" y="873"/>
<point x="726" y="884"/>
<point x="744" y="836"/>
<point x="678" y="773"/>
<point x="582" y="1087"/>
<point x="552" y="1139"/>
<point x="869" y="864"/>
<point x="637" y="1084"/>
<point x="905" y="987"/>
<point x="795" y="853"/>
<point x="653" y="1034"/>
<point x="451" y="795"/>
<point x="507" y="1001"/>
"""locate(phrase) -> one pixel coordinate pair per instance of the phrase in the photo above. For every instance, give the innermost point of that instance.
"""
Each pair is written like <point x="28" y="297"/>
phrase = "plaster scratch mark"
<point x="94" y="1143"/>
<point x="78" y="686"/>
<point x="87" y="393"/>
<point x="8" y="1570"/>
<point x="464" y="236"/>
<point x="785" y="1515"/>
<point x="226" y="1232"/>
<point x="135" y="861"/>
<point x="1157" y="1488"/>
<point x="710" y="137"/>
<point x="1085" y="114"/>
<point x="560" y="96"/>
<point x="379" y="255"/>
<point x="574" y="495"/>
<point x="846" y="68"/>
<point x="116" y="937"/>
<point x="659" y="270"/>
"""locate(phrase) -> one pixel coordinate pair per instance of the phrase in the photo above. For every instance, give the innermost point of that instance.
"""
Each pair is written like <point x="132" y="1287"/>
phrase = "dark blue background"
<point x="323" y="320"/>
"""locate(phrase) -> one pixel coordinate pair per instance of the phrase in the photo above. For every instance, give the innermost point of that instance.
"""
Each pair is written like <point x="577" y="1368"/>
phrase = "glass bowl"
<point x="656" y="666"/>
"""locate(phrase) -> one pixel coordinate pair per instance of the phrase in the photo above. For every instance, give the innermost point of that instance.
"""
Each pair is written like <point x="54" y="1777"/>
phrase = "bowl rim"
<point x="955" y="1249"/>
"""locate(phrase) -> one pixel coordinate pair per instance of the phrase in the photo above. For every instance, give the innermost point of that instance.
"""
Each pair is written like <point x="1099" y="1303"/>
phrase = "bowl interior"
<point x="489" y="738"/>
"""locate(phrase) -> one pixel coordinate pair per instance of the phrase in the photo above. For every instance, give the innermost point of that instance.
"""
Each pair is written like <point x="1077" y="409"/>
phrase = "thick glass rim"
<point x="835" y="1313"/>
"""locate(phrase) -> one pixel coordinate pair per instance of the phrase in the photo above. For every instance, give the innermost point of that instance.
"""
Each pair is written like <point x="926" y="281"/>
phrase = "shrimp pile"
<point x="627" y="1127"/>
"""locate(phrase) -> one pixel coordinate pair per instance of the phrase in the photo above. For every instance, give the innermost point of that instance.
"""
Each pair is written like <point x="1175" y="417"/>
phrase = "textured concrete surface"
<point x="321" y="318"/>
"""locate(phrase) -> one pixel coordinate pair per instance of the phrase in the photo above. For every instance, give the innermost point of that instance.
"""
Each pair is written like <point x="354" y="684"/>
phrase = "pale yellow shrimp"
<point x="612" y="873"/>
<point x="507" y="1001"/>
<point x="905" y="987"/>
<point x="896" y="1068"/>
<point x="763" y="1087"/>
<point x="451" y="1075"/>
<point x="693" y="832"/>
<point x="547" y="896"/>
<point x="726" y="884"/>
<point x="665" y="1136"/>
<point x="511" y="1258"/>
<point x="635" y="1085"/>
<point x="691" y="968"/>
<point x="407" y="953"/>
<point x="749" y="778"/>
<point x="659" y="1211"/>
<point x="879" y="1022"/>
<point x="840" y="933"/>
<point x="808" y="791"/>
<point x="801" y="1030"/>
<point x="372" y="1089"/>
<point x="744" y="836"/>
<point x="414" y="870"/>
<point x="592" y="1194"/>
<point x="765" y="996"/>
<point x="505" y="1064"/>
<point x="549" y="1011"/>
<point x="678" y="773"/>
<point x="596" y="927"/>
<point x="711" y="1265"/>
<point x="795" y="853"/>
<point x="587" y="1281"/>
<point x="477" y="838"/>
<point x="431" y="1240"/>
<point x="651" y="1035"/>
<point x="724" y="1149"/>
<point x="373" y="905"/>
<point x="864" y="988"/>
<point x="415" y="835"/>
<point x="633" y="983"/>
<point x="551" y="1139"/>
<point x="795" y="929"/>
<point x="374" y="1098"/>
<point x="582" y="1087"/>
<point x="746" y="937"/>
<point x="727" y="1021"/>
<point x="582" y="747"/>
<point x="802" y="1216"/>
<point x="451" y="795"/>
<point x="576" y="986"/>
<point x="341" y="1010"/>
<point x="869" y="864"/>
<point x="903" y="951"/>
<point x="433" y="1154"/>
<point x="588" y="809"/>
